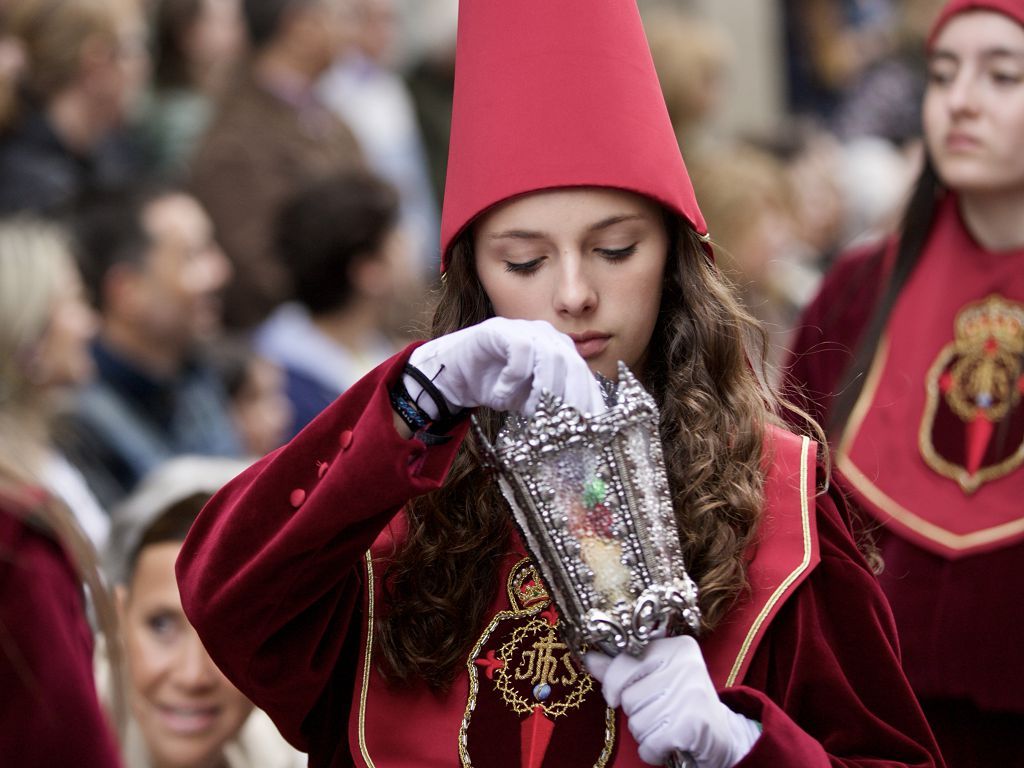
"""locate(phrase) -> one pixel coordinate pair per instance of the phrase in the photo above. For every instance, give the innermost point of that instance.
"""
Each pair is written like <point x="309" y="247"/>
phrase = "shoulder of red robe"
<point x="784" y="554"/>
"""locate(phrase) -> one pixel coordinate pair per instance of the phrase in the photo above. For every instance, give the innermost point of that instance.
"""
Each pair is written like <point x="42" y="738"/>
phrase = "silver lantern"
<point x="590" y="497"/>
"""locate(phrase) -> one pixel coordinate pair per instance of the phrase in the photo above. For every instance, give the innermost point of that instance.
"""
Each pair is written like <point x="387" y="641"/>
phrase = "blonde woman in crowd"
<point x="749" y="204"/>
<point x="49" y="712"/>
<point x="693" y="57"/>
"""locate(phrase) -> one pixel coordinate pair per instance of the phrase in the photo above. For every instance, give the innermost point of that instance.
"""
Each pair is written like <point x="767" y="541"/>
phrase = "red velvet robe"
<point x="50" y="714"/>
<point x="956" y="594"/>
<point x="274" y="577"/>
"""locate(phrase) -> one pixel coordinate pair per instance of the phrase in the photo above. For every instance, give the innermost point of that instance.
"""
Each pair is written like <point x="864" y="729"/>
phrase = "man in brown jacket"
<point x="271" y="137"/>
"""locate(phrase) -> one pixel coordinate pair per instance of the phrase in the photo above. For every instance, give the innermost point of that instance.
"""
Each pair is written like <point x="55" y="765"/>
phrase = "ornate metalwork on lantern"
<point x="590" y="496"/>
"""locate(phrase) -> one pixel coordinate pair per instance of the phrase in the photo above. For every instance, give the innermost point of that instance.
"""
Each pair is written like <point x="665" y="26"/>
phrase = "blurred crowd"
<point x="216" y="215"/>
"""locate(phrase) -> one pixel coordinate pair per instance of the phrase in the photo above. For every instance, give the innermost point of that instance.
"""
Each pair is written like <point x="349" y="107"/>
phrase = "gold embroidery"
<point x="978" y="376"/>
<point x="805" y="522"/>
<point x="543" y="661"/>
<point x="546" y="666"/>
<point x="954" y="541"/>
<point x="881" y="500"/>
<point x="525" y="587"/>
<point x="367" y="663"/>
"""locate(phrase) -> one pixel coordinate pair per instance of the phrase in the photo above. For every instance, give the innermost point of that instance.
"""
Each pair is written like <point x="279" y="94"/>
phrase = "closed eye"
<point x="614" y="254"/>
<point x="524" y="267"/>
<point x="1006" y="78"/>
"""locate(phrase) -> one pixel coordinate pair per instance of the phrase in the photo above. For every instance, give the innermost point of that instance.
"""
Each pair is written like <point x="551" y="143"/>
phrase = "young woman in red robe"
<point x="364" y="584"/>
<point x="913" y="356"/>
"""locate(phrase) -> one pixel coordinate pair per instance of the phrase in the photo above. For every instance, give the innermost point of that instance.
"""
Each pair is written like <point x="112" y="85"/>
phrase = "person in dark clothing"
<point x="85" y="62"/>
<point x="155" y="273"/>
<point x="348" y="262"/>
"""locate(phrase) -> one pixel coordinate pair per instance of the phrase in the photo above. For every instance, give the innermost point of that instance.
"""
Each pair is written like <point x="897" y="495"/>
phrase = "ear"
<point x="120" y="288"/>
<point x="368" y="274"/>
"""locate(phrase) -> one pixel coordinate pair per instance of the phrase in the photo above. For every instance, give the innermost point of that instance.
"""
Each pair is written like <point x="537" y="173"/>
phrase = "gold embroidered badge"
<point x="972" y="430"/>
<point x="541" y="667"/>
<point x="529" y="700"/>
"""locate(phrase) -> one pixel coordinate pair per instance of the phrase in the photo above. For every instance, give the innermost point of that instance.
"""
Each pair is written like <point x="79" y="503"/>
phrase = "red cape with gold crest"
<point x="933" y="451"/>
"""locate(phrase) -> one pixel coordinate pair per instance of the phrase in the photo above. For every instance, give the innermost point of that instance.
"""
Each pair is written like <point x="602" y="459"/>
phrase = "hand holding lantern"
<point x="591" y="498"/>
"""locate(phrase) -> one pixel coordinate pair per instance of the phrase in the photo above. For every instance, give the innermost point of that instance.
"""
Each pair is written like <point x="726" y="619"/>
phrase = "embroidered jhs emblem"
<point x="972" y="430"/>
<point x="530" y="704"/>
<point x="539" y="671"/>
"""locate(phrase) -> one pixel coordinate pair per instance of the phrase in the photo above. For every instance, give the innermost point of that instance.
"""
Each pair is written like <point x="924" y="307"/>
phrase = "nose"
<point x="195" y="669"/>
<point x="962" y="94"/>
<point x="213" y="271"/>
<point x="575" y="292"/>
<point x="86" y="321"/>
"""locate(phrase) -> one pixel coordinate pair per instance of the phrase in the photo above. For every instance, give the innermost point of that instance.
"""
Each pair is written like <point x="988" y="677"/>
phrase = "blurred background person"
<point x="257" y="399"/>
<point x="58" y="361"/>
<point x="913" y="356"/>
<point x="364" y="88"/>
<point x="693" y="57"/>
<point x="749" y="207"/>
<point x="155" y="273"/>
<point x="842" y="192"/>
<point x="350" y="264"/>
<point x="812" y="161"/>
<point x="884" y="101"/>
<point x="49" y="712"/>
<point x="198" y="45"/>
<point x="829" y="45"/>
<point x="185" y="713"/>
<point x="428" y="67"/>
<point x="85" y="62"/>
<point x="270" y="136"/>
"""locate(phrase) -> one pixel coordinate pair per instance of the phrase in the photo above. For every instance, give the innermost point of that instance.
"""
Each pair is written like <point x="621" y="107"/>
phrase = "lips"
<point x="961" y="141"/>
<point x="187" y="721"/>
<point x="590" y="343"/>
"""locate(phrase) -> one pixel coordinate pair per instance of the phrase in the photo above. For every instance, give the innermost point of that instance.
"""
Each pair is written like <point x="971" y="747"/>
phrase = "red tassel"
<point x="979" y="432"/>
<point x="535" y="734"/>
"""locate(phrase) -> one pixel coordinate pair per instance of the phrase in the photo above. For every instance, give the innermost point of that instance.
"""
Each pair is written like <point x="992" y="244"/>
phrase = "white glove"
<point x="505" y="365"/>
<point x="671" y="704"/>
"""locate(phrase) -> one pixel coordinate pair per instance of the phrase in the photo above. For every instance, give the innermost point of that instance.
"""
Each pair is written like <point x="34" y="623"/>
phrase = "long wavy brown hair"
<point x="713" y="415"/>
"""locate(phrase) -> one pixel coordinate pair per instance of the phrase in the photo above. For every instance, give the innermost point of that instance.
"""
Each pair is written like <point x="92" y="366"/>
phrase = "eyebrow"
<point x="526" y="234"/>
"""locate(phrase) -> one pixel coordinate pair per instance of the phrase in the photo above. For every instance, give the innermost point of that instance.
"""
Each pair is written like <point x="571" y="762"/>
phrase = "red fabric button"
<point x="298" y="496"/>
<point x="345" y="439"/>
<point x="322" y="469"/>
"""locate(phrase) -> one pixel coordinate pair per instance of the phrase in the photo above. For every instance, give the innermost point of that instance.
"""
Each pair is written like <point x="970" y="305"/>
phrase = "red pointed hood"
<point x="1012" y="8"/>
<point x="557" y="93"/>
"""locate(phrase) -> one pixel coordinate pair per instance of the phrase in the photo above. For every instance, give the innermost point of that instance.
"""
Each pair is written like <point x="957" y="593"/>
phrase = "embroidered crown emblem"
<point x="974" y="386"/>
<point x="530" y="699"/>
<point x="526" y="588"/>
<point x="986" y="378"/>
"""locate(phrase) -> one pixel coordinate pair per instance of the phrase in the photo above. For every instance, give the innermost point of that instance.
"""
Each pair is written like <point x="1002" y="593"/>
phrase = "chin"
<point x="968" y="177"/>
